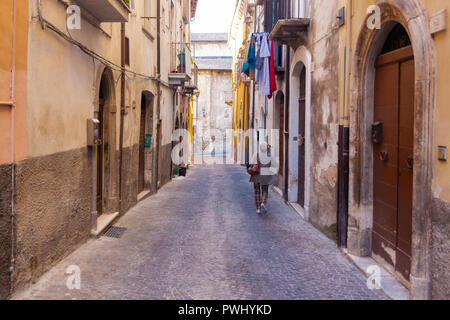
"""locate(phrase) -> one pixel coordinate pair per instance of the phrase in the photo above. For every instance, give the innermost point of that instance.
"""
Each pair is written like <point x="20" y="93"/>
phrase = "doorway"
<point x="301" y="138"/>
<point x="142" y="133"/>
<point x="279" y="124"/>
<point x="101" y="146"/>
<point x="147" y="163"/>
<point x="393" y="152"/>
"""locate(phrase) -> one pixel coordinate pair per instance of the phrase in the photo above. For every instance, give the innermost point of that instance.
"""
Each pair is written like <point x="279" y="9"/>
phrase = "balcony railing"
<point x="291" y="25"/>
<point x="107" y="10"/>
<point x="300" y="9"/>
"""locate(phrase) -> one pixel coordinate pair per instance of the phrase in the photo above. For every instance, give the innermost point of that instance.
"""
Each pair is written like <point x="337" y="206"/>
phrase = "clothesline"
<point x="254" y="34"/>
<point x="260" y="59"/>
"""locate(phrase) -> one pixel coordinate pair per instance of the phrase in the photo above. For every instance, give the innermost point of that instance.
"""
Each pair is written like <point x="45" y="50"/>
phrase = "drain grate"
<point x="115" y="232"/>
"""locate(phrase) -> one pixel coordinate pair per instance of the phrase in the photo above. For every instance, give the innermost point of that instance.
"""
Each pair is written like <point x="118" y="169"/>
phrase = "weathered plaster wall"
<point x="323" y="44"/>
<point x="52" y="208"/>
<point x="63" y="86"/>
<point x="130" y="162"/>
<point x="440" y="249"/>
<point x="5" y="229"/>
<point x="13" y="128"/>
<point x="166" y="163"/>
<point x="213" y="112"/>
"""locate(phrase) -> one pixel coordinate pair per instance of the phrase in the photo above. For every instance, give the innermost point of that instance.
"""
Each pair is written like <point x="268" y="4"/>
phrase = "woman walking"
<point x="262" y="177"/>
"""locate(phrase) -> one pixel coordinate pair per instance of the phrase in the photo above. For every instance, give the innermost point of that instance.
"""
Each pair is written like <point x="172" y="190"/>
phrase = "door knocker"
<point x="301" y="140"/>
<point x="384" y="156"/>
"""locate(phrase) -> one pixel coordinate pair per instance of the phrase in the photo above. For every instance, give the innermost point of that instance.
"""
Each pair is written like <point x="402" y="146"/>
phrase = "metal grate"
<point x="115" y="232"/>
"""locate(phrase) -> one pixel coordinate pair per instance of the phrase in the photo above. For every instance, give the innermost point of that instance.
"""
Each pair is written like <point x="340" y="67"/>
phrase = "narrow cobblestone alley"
<point x="200" y="238"/>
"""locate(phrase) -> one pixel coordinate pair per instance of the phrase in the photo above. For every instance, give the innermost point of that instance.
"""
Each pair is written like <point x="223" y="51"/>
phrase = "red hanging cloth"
<point x="273" y="81"/>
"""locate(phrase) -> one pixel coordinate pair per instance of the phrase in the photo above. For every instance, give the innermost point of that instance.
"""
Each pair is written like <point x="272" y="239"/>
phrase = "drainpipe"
<point x="287" y="98"/>
<point x="348" y="63"/>
<point x="158" y="85"/>
<point x="12" y="105"/>
<point x="344" y="140"/>
<point x="122" y="109"/>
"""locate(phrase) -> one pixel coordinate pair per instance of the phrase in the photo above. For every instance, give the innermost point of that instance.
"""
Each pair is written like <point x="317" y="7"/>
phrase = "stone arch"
<point x="411" y="14"/>
<point x="105" y="85"/>
<point x="301" y="59"/>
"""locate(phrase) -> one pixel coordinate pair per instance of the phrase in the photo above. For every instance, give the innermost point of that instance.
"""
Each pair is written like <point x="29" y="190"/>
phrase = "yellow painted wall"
<point x="441" y="184"/>
<point x="13" y="123"/>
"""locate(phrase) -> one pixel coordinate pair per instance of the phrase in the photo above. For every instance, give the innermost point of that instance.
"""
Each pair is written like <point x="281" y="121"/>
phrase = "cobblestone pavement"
<point x="200" y="238"/>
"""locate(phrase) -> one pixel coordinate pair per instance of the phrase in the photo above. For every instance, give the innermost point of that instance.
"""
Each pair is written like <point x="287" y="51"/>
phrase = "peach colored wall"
<point x="6" y="48"/>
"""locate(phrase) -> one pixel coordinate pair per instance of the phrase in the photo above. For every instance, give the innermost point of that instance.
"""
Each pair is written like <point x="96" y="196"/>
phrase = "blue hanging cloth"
<point x="249" y="65"/>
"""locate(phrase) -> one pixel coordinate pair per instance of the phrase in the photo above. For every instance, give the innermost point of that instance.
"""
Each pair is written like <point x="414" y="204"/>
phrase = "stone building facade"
<point x="361" y="104"/>
<point x="56" y="189"/>
<point x="213" y="110"/>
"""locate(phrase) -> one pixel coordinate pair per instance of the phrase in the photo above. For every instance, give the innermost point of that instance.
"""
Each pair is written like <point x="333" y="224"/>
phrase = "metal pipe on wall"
<point x="158" y="87"/>
<point x="12" y="120"/>
<point x="344" y="140"/>
<point x="122" y="109"/>
<point x="286" y="113"/>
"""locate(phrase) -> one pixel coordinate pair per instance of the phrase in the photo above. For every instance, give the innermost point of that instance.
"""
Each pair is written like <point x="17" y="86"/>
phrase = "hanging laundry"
<point x="258" y="60"/>
<point x="273" y="80"/>
<point x="249" y="65"/>
<point x="264" y="82"/>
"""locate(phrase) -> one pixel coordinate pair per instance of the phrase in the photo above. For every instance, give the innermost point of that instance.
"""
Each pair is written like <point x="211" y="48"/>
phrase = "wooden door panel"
<point x="302" y="141"/>
<point x="403" y="263"/>
<point x="393" y="178"/>
<point x="385" y="172"/>
<point x="406" y="167"/>
<point x="385" y="223"/>
<point x="281" y="140"/>
<point x="386" y="192"/>
<point x="141" y="177"/>
<point x="100" y="160"/>
<point x="301" y="154"/>
<point x="383" y="249"/>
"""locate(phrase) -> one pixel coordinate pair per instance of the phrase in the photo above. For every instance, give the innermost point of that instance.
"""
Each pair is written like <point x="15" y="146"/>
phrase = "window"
<point x="299" y="9"/>
<point x="274" y="10"/>
<point x="127" y="51"/>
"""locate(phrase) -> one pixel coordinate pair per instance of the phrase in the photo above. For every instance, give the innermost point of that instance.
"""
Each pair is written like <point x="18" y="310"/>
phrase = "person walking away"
<point x="262" y="176"/>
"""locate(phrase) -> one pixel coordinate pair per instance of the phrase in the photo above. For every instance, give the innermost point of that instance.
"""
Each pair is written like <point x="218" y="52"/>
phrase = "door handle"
<point x="410" y="162"/>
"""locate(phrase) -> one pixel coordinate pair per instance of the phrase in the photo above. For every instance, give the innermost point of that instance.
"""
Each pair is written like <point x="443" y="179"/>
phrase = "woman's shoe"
<point x="263" y="208"/>
<point x="258" y="212"/>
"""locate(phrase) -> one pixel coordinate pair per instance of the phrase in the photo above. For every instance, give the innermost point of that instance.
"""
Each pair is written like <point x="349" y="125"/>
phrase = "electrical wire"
<point x="95" y="55"/>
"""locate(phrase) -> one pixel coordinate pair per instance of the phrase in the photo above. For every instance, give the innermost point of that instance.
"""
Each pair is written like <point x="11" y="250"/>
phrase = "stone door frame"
<point x="110" y="176"/>
<point x="412" y="15"/>
<point x="300" y="59"/>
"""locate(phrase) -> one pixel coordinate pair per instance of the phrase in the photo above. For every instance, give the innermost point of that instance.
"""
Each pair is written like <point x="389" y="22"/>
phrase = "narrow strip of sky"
<point x="213" y="16"/>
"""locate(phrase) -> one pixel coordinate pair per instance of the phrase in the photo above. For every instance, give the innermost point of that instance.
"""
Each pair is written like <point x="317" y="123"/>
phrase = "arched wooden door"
<point x="393" y="152"/>
<point x="142" y="132"/>
<point x="101" y="151"/>
<point x="301" y="138"/>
